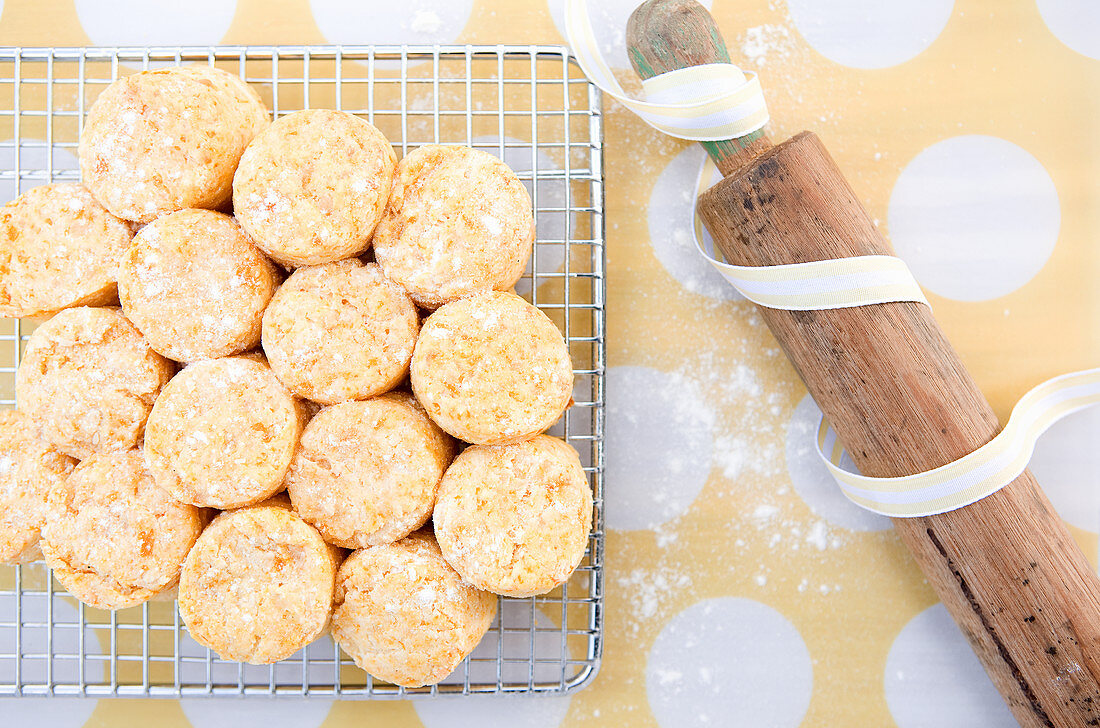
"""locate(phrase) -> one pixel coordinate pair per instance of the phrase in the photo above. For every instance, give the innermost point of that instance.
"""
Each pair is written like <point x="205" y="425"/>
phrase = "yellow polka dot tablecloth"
<point x="742" y="589"/>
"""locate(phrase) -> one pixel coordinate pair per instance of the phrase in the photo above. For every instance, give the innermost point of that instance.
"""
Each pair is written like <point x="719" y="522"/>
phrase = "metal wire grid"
<point x="531" y="106"/>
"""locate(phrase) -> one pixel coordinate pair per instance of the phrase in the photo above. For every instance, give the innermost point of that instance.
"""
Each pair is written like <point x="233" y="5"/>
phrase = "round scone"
<point x="492" y="368"/>
<point x="87" y="381"/>
<point x="340" y="331"/>
<point x="29" y="469"/>
<point x="257" y="586"/>
<point x="165" y="140"/>
<point x="366" y="473"/>
<point x="404" y="615"/>
<point x="196" y="286"/>
<point x="514" y="519"/>
<point x="58" y="248"/>
<point x="112" y="537"/>
<point x="311" y="188"/>
<point x="458" y="222"/>
<point x="222" y="433"/>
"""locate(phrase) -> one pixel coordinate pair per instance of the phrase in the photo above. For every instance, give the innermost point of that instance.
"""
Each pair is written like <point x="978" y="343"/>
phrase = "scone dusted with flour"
<point x="458" y="222"/>
<point x="514" y="519"/>
<point x="223" y="432"/>
<point x="195" y="285"/>
<point x="311" y="188"/>
<point x="88" y="380"/>
<point x="366" y="473"/>
<point x="257" y="586"/>
<point x="113" y="538"/>
<point x="404" y="615"/>
<point x="169" y="139"/>
<point x="59" y="248"/>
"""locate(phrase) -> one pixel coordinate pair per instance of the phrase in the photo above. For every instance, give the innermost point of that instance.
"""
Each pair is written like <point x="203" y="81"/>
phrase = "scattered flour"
<point x="425" y="22"/>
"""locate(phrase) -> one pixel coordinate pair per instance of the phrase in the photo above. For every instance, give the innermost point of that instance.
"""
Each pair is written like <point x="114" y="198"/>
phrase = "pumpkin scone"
<point x="195" y="286"/>
<point x="492" y="368"/>
<point x="29" y="468"/>
<point x="366" y="473"/>
<point x="113" y="538"/>
<point x="340" y="331"/>
<point x="58" y="248"/>
<point x="169" y="139"/>
<point x="514" y="519"/>
<point x="222" y="433"/>
<point x="257" y="586"/>
<point x="458" y="222"/>
<point x="88" y="380"/>
<point x="404" y="615"/>
<point x="311" y="188"/>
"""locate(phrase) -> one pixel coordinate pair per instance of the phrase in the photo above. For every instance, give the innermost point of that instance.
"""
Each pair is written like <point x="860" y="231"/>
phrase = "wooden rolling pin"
<point x="900" y="401"/>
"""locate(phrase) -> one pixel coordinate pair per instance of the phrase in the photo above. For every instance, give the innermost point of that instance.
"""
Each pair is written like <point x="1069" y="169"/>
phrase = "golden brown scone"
<point x="514" y="519"/>
<point x="366" y="473"/>
<point x="58" y="248"/>
<point x="29" y="468"/>
<point x="222" y="433"/>
<point x="492" y="368"/>
<point x="340" y="331"/>
<point x="112" y="537"/>
<point x="458" y="222"/>
<point x="257" y="586"/>
<point x="165" y="140"/>
<point x="87" y="381"/>
<point x="404" y="615"/>
<point x="311" y="188"/>
<point x="195" y="286"/>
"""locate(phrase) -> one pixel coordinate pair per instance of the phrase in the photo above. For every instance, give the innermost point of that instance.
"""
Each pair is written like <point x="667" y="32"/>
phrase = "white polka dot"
<point x="54" y="712"/>
<point x="1066" y="463"/>
<point x="549" y="197"/>
<point x="140" y="22"/>
<point x="608" y="19"/>
<point x="933" y="678"/>
<point x="36" y="159"/>
<point x="729" y="662"/>
<point x="248" y="713"/>
<point x="976" y="217"/>
<point x="1074" y="22"/>
<point x="416" y="22"/>
<point x="870" y="33"/>
<point x="36" y="639"/>
<point x="670" y="226"/>
<point x="490" y="711"/>
<point x="659" y="446"/>
<point x="812" y="480"/>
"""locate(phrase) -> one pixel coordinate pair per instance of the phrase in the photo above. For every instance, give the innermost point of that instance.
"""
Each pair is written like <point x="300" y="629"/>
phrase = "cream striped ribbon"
<point x="718" y="101"/>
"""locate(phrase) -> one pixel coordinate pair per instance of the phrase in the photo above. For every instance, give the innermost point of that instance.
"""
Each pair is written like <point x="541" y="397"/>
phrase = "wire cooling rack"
<point x="529" y="105"/>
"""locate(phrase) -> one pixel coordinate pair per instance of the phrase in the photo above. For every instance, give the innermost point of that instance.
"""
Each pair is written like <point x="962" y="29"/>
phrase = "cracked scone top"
<point x="29" y="468"/>
<point x="169" y="139"/>
<point x="58" y="248"/>
<point x="340" y="331"/>
<point x="195" y="285"/>
<point x="492" y="368"/>
<point x="404" y="615"/>
<point x="366" y="473"/>
<point x="222" y="433"/>
<point x="87" y="381"/>
<point x="514" y="519"/>
<point x="458" y="222"/>
<point x="112" y="537"/>
<point x="257" y="586"/>
<point x="311" y="188"/>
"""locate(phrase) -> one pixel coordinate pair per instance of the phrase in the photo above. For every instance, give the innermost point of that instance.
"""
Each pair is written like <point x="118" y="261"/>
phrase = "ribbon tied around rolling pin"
<point x="718" y="101"/>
